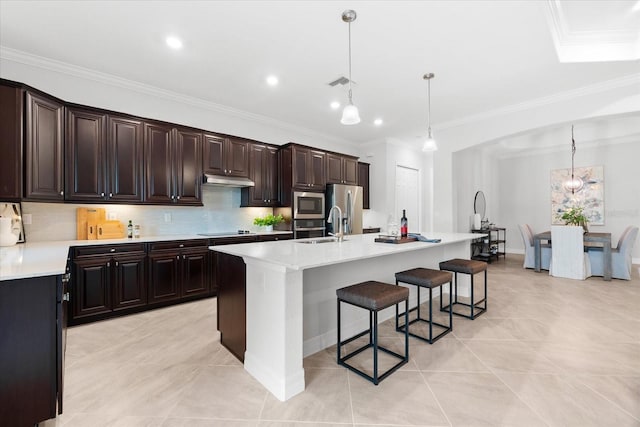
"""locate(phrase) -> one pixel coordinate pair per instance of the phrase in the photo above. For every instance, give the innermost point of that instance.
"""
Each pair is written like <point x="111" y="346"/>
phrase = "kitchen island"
<point x="291" y="299"/>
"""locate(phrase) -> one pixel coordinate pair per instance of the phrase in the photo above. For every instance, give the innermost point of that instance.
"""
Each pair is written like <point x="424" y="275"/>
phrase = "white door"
<point x="408" y="197"/>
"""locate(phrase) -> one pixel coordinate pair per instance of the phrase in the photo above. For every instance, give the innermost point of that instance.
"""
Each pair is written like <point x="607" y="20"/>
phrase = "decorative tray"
<point x="394" y="239"/>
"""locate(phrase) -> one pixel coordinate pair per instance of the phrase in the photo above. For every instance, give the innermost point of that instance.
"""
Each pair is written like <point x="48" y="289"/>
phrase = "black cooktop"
<point x="226" y="233"/>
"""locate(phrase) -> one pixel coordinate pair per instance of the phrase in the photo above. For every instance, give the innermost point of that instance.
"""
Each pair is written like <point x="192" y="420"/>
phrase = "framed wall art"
<point x="590" y="197"/>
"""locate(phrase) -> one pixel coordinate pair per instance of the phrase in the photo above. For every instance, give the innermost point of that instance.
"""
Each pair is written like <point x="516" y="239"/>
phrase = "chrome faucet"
<point x="340" y="234"/>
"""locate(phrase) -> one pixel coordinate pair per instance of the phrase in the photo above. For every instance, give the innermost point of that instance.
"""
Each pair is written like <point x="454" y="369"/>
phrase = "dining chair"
<point x="568" y="258"/>
<point x="620" y="256"/>
<point x="529" y="252"/>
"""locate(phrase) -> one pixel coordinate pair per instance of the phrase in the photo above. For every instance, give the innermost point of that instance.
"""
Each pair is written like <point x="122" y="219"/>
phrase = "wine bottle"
<point x="130" y="230"/>
<point x="404" y="225"/>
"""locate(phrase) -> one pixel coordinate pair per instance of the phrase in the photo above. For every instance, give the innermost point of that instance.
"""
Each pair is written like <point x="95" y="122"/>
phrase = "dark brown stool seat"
<point x="425" y="278"/>
<point x="372" y="296"/>
<point x="470" y="267"/>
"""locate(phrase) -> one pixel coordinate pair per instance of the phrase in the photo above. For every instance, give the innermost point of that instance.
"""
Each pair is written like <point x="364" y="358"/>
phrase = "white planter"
<point x="268" y="228"/>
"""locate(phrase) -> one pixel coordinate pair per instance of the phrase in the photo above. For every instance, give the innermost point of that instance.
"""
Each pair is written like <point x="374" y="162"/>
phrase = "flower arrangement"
<point x="268" y="220"/>
<point x="575" y="216"/>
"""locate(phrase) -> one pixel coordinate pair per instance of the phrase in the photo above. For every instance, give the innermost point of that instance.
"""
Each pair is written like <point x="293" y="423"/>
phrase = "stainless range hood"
<point x="227" y="181"/>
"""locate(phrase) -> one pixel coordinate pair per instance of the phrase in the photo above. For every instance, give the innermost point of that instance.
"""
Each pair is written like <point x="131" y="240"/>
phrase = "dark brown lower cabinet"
<point x="178" y="270"/>
<point x="31" y="350"/>
<point x="107" y="279"/>
<point x="231" y="274"/>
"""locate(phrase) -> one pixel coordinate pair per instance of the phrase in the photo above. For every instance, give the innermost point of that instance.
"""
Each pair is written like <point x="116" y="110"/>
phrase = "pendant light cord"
<point x="350" y="96"/>
<point x="573" y="153"/>
<point x="429" y="106"/>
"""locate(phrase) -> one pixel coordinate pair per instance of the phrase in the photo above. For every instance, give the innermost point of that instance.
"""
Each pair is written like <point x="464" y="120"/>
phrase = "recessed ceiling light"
<point x="335" y="105"/>
<point x="272" y="80"/>
<point x="174" y="42"/>
<point x="377" y="122"/>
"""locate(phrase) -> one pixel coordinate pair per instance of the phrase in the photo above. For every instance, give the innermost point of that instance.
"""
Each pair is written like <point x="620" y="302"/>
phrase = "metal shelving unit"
<point x="491" y="247"/>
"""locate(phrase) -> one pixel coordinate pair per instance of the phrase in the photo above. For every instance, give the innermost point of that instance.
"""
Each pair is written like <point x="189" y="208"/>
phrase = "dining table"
<point x="591" y="240"/>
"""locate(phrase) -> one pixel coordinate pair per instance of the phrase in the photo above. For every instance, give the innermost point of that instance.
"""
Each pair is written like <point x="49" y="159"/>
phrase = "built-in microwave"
<point x="307" y="205"/>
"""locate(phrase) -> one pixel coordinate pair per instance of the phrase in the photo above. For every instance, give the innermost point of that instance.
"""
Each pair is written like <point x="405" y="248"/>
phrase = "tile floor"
<point x="548" y="352"/>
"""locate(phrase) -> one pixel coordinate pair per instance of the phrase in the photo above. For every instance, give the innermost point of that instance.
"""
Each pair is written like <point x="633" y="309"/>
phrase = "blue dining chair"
<point x="620" y="256"/>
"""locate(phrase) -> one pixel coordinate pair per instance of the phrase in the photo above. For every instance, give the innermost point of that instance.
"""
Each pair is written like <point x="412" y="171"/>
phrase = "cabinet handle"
<point x="178" y="257"/>
<point x="102" y="194"/>
<point x="184" y="257"/>
<point x="109" y="264"/>
<point x="173" y="197"/>
<point x="112" y="250"/>
<point x="178" y="197"/>
<point x="65" y="297"/>
<point x="181" y="246"/>
<point x="110" y="194"/>
<point x="62" y="193"/>
<point x="116" y="263"/>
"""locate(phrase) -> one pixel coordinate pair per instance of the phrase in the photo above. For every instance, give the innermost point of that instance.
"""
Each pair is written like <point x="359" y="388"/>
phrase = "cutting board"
<point x="110" y="230"/>
<point x="391" y="239"/>
<point x="86" y="221"/>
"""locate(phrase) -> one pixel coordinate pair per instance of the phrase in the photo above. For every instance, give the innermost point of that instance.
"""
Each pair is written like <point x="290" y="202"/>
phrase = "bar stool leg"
<point x="374" y="314"/>
<point x="339" y="338"/>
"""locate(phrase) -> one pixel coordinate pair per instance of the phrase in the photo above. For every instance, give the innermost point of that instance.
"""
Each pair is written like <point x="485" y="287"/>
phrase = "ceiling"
<point x="486" y="55"/>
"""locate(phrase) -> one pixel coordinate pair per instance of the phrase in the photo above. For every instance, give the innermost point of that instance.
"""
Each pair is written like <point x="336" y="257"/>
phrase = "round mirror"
<point x="480" y="205"/>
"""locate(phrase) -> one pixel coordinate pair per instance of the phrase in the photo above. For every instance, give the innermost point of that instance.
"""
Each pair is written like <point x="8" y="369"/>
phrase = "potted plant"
<point x="268" y="221"/>
<point x="575" y="216"/>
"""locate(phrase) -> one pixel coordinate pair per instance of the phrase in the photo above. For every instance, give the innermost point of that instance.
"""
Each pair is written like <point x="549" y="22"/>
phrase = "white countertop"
<point x="36" y="259"/>
<point x="295" y="255"/>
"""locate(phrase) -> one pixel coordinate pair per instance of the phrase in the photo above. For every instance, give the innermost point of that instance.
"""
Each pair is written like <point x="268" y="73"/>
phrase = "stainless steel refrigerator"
<point x="349" y="199"/>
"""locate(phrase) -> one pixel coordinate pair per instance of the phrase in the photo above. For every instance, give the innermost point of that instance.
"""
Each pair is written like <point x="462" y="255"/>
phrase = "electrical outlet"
<point x="112" y="215"/>
<point x="26" y="219"/>
<point x="167" y="217"/>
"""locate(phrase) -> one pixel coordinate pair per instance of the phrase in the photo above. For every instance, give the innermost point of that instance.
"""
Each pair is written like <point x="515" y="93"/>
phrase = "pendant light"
<point x="350" y="115"/>
<point x="575" y="183"/>
<point x="429" y="143"/>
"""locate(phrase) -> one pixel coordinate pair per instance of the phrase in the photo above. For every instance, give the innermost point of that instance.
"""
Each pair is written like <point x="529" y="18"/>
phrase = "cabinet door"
<point x="334" y="169"/>
<point x="316" y="171"/>
<point x="231" y="278"/>
<point x="163" y="281"/>
<point x="10" y="143"/>
<point x="91" y="292"/>
<point x="271" y="177"/>
<point x="85" y="155"/>
<point x="213" y="162"/>
<point x="125" y="162"/>
<point x="350" y="171"/>
<point x="257" y="195"/>
<point x="129" y="284"/>
<point x="188" y="167"/>
<point x="158" y="163"/>
<point x="195" y="268"/>
<point x="44" y="149"/>
<point x="300" y="165"/>
<point x="237" y="157"/>
<point x="363" y="181"/>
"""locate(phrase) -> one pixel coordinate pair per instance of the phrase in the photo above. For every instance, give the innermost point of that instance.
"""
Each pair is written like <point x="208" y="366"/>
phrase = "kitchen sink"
<point x="321" y="240"/>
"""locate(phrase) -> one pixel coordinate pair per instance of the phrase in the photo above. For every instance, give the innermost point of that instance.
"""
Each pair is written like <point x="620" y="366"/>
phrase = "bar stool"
<point x="471" y="267"/>
<point x="426" y="278"/>
<point x="373" y="296"/>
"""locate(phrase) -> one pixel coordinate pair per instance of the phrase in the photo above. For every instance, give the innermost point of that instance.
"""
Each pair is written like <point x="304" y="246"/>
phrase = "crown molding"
<point x="632" y="81"/>
<point x="111" y="80"/>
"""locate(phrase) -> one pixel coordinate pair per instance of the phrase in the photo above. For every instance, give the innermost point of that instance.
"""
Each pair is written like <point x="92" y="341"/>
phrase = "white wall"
<point x="523" y="190"/>
<point x="384" y="156"/>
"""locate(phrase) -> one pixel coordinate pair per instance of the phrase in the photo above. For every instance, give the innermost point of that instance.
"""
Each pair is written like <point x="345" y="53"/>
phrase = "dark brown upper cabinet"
<point x="301" y="169"/>
<point x="173" y="165"/>
<point x="363" y="181"/>
<point x="44" y="147"/>
<point x="308" y="166"/>
<point x="342" y="169"/>
<point x="263" y="171"/>
<point x="104" y="157"/>
<point x="227" y="156"/>
<point x="11" y="123"/>
<point x="86" y="157"/>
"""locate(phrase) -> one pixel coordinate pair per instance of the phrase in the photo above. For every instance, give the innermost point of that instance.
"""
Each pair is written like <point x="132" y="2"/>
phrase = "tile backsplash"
<point x="221" y="212"/>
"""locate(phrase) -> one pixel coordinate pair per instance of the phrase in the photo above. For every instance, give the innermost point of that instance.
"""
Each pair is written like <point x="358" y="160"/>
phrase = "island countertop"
<point x="297" y="255"/>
